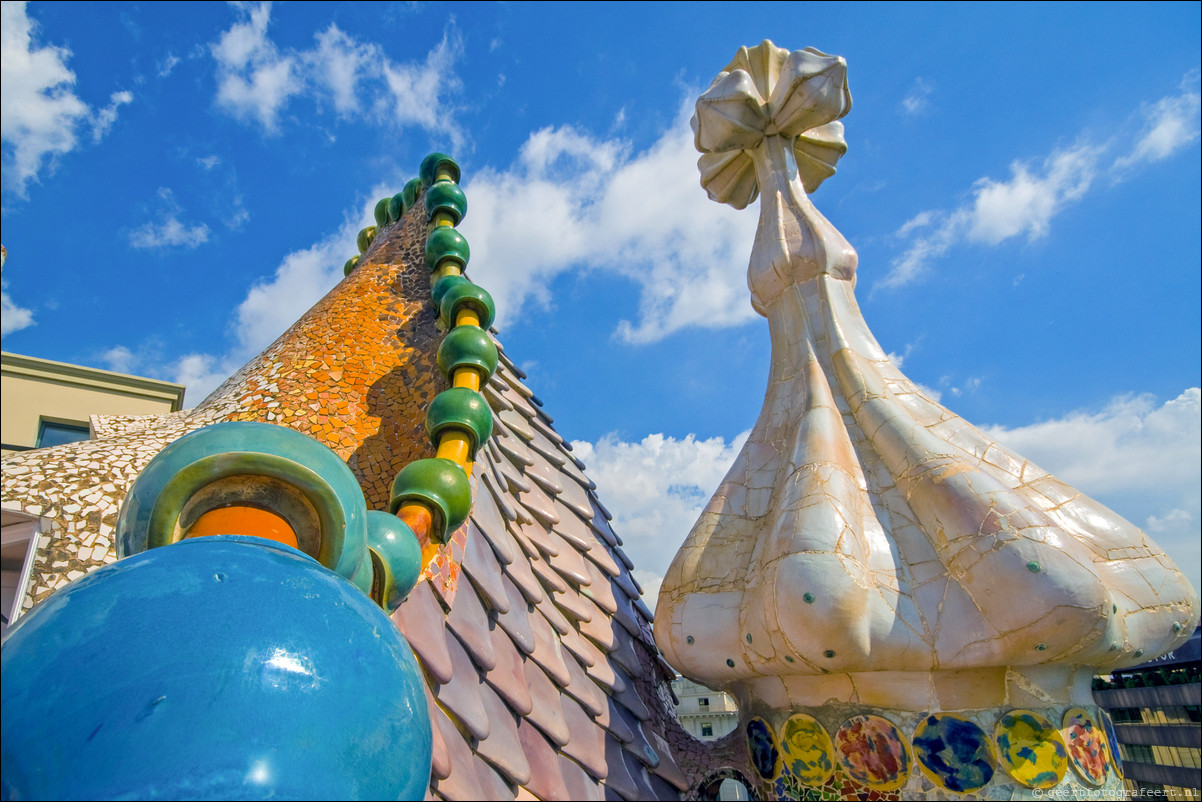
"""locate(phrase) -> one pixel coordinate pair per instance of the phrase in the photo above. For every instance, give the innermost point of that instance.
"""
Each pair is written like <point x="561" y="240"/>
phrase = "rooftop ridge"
<point x="542" y="672"/>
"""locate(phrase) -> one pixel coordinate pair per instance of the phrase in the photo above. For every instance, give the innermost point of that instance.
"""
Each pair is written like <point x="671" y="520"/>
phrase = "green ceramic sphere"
<point x="411" y="191"/>
<point x="381" y="212"/>
<point x="396" y="207"/>
<point x="365" y="237"/>
<point x="350" y="265"/>
<point x="445" y="243"/>
<point x="446" y="196"/>
<point x="439" y="484"/>
<point x="431" y="166"/>
<point x="463" y="410"/>
<point x="397" y="558"/>
<point x="467" y="346"/>
<point x="443" y="286"/>
<point x="471" y="296"/>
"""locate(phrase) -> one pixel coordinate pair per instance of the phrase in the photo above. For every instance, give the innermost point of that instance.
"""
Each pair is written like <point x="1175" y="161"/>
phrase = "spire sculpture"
<point x="899" y="603"/>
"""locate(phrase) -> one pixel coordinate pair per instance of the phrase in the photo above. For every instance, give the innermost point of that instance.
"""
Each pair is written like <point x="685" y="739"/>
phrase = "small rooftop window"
<point x="51" y="433"/>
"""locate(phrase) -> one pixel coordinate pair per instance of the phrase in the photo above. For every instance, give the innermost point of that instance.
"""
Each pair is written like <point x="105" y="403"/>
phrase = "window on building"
<point x="1137" y="753"/>
<point x="707" y="730"/>
<point x="1125" y="715"/>
<point x="703" y="701"/>
<point x="20" y="533"/>
<point x="51" y="433"/>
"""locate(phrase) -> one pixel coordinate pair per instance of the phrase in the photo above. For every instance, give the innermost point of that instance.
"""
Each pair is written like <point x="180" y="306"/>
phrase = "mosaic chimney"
<point x="901" y="605"/>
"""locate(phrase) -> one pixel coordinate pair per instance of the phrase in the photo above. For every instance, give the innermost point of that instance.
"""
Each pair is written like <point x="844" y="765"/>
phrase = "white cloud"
<point x="916" y="100"/>
<point x="655" y="489"/>
<point x="200" y="374"/>
<point x="120" y="359"/>
<point x="40" y="111"/>
<point x="1026" y="202"/>
<point x="169" y="63"/>
<point x="13" y="317"/>
<point x="687" y="254"/>
<point x="274" y="304"/>
<point x="998" y="211"/>
<point x="1169" y="521"/>
<point x="103" y="120"/>
<point x="271" y="305"/>
<point x="1140" y="459"/>
<point x="1172" y="125"/>
<point x="256" y="79"/>
<point x="339" y="62"/>
<point x="969" y="386"/>
<point x="649" y="581"/>
<point x="238" y="214"/>
<point x="417" y="92"/>
<point x="168" y="231"/>
<point x="925" y="246"/>
<point x="209" y="162"/>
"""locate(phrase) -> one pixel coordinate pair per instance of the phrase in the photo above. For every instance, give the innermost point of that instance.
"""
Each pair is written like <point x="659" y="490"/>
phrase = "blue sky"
<point x="181" y="181"/>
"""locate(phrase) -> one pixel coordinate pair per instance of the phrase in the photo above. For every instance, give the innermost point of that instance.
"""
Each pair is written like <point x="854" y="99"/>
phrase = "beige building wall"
<point x="34" y="390"/>
<point x="705" y="714"/>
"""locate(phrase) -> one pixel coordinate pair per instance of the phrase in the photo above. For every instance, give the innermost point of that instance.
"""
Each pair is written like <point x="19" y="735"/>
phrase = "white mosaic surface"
<point x="78" y="487"/>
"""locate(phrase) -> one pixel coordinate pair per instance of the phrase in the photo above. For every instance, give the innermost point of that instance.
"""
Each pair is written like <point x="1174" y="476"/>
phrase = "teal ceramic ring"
<point x="446" y="196"/>
<point x="442" y="287"/>
<point x="467" y="346"/>
<point x="411" y="191"/>
<point x="460" y="409"/>
<point x="365" y="237"/>
<point x="445" y="243"/>
<point x="260" y="464"/>
<point x="396" y="558"/>
<point x="439" y="484"/>
<point x="396" y="207"/>
<point x="381" y="212"/>
<point x="435" y="162"/>
<point x="468" y="295"/>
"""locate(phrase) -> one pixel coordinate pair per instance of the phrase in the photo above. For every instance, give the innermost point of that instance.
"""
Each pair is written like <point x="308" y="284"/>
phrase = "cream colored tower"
<point x="886" y="590"/>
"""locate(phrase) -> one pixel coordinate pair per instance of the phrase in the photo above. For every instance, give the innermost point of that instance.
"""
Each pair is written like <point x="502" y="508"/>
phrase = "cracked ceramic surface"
<point x="868" y="545"/>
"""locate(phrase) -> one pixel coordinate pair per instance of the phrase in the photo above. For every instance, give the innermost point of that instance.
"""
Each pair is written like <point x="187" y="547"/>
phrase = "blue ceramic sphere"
<point x="218" y="668"/>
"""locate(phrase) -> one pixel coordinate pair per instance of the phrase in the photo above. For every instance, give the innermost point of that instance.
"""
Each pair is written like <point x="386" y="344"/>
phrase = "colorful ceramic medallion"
<point x="764" y="754"/>
<point x="872" y="752"/>
<point x="806" y="749"/>
<point x="953" y="752"/>
<point x="1086" y="744"/>
<point x="1112" y="743"/>
<point x="1030" y="749"/>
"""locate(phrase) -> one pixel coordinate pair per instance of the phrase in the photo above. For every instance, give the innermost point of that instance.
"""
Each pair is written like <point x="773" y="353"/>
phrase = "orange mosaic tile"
<point x="370" y="346"/>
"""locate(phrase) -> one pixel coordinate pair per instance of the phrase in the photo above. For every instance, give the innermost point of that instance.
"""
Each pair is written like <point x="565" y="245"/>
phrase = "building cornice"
<point x="47" y="370"/>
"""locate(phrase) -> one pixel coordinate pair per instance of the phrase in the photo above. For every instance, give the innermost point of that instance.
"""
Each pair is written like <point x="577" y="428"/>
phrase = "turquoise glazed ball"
<point x="215" y="668"/>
